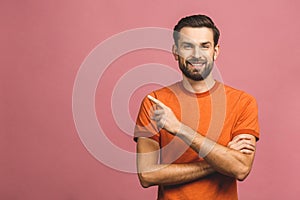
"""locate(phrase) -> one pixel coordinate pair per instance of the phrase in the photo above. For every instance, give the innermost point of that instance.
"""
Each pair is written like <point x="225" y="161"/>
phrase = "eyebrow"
<point x="205" y="43"/>
<point x="202" y="43"/>
<point x="187" y="43"/>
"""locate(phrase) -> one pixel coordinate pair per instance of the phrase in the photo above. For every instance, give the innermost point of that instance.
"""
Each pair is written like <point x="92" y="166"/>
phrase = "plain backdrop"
<point x="42" y="45"/>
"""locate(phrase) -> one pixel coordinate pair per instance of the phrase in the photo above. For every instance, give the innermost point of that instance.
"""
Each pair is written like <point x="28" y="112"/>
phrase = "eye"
<point x="187" y="46"/>
<point x="205" y="47"/>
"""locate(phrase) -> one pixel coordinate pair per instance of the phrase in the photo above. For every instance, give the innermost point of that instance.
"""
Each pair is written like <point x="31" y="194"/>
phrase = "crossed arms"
<point x="235" y="160"/>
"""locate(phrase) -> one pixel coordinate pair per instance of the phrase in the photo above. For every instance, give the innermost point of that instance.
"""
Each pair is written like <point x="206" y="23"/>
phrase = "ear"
<point x="217" y="51"/>
<point x="175" y="52"/>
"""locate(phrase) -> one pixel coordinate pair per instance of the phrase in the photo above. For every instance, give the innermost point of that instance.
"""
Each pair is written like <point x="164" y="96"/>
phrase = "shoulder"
<point x="237" y="94"/>
<point x="240" y="100"/>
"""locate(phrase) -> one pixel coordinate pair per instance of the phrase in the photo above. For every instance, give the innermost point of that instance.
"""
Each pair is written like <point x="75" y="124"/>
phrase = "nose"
<point x="197" y="52"/>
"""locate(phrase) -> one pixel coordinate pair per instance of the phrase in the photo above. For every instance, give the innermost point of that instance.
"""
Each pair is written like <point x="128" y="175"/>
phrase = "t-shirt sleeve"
<point x="247" y="119"/>
<point x="145" y="127"/>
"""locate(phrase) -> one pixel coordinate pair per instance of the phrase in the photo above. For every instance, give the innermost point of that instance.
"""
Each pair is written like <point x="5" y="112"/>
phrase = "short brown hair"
<point x="196" y="21"/>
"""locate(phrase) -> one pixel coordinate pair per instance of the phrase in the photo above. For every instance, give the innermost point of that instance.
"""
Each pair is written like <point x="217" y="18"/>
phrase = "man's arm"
<point x="152" y="173"/>
<point x="226" y="160"/>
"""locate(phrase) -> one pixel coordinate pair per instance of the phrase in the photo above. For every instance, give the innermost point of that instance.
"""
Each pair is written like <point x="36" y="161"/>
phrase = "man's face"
<point x="196" y="52"/>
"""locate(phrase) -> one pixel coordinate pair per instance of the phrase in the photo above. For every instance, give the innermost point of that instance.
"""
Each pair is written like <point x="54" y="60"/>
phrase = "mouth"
<point x="196" y="65"/>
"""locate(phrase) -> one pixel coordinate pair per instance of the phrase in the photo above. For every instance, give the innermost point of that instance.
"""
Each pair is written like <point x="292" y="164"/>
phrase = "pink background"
<point x="43" y="44"/>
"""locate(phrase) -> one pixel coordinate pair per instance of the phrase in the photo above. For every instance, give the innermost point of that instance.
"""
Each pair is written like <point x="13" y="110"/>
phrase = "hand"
<point x="164" y="117"/>
<point x="245" y="143"/>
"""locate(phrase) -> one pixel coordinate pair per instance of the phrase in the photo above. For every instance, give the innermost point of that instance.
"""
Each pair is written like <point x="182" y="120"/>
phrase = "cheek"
<point x="212" y="55"/>
<point x="208" y="54"/>
<point x="182" y="60"/>
<point x="185" y="54"/>
<point x="183" y="57"/>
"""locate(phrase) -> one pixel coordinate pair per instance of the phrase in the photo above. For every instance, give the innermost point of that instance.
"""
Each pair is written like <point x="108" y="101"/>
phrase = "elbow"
<point x="242" y="173"/>
<point x="241" y="177"/>
<point x="145" y="179"/>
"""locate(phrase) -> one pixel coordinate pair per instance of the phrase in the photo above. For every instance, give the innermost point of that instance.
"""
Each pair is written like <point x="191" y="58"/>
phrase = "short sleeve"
<point x="145" y="127"/>
<point x="247" y="119"/>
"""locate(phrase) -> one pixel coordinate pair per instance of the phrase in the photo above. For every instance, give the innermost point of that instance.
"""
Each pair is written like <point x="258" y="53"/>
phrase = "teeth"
<point x="197" y="65"/>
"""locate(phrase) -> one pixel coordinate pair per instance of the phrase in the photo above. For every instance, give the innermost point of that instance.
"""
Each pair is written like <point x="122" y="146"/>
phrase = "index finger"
<point x="156" y="101"/>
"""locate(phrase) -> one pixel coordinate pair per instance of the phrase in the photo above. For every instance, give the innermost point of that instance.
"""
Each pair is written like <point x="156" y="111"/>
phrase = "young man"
<point x="196" y="137"/>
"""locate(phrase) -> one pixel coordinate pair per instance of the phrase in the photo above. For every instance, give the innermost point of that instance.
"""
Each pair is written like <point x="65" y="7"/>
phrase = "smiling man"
<point x="195" y="138"/>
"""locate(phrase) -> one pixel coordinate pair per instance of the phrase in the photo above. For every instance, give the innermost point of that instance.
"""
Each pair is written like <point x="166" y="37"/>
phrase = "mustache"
<point x="196" y="61"/>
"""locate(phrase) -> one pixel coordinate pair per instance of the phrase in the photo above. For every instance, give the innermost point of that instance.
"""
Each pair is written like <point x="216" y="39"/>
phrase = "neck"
<point x="198" y="86"/>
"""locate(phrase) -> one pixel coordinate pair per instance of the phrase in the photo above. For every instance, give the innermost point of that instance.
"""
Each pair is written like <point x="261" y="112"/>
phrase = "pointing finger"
<point x="156" y="101"/>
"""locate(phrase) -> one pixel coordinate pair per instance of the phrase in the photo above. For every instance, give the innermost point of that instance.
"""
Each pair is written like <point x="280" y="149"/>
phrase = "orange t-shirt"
<point x="218" y="114"/>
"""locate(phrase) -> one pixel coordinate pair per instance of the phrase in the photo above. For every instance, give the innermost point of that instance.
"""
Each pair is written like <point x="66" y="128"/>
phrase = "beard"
<point x="196" y="73"/>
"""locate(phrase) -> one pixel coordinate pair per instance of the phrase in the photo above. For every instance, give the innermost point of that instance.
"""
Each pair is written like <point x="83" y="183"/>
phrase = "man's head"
<point x="196" y="46"/>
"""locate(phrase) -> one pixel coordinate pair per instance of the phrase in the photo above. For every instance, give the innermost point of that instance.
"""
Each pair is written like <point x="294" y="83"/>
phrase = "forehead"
<point x="196" y="35"/>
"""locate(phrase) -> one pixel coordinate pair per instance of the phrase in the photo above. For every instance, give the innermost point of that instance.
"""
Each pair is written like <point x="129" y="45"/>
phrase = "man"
<point x="196" y="137"/>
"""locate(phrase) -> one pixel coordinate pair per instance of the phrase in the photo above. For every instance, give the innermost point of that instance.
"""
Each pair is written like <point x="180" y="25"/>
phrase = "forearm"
<point x="170" y="174"/>
<point x="223" y="159"/>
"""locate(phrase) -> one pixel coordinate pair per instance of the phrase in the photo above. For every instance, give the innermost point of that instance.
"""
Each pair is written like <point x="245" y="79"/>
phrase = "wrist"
<point x="184" y="132"/>
<point x="178" y="128"/>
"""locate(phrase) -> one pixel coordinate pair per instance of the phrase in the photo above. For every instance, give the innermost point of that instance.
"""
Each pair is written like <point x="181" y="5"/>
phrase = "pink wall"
<point x="43" y="44"/>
